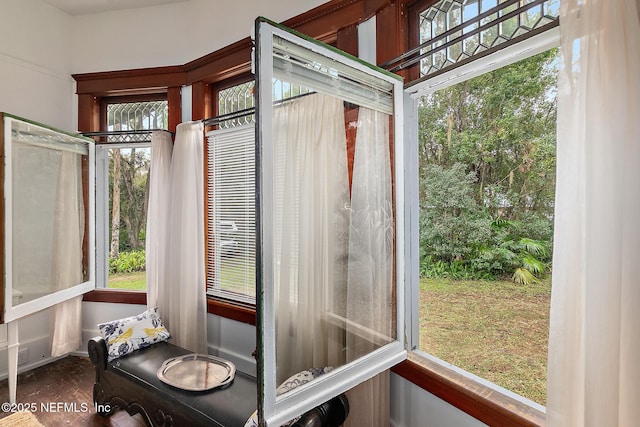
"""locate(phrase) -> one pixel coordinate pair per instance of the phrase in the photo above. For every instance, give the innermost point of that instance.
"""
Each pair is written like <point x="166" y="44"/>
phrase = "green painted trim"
<point x="51" y="128"/>
<point x="329" y="47"/>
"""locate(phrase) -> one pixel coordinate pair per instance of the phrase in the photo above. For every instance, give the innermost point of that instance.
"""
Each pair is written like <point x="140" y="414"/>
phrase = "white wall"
<point x="35" y="63"/>
<point x="412" y="406"/>
<point x="35" y="83"/>
<point x="171" y="34"/>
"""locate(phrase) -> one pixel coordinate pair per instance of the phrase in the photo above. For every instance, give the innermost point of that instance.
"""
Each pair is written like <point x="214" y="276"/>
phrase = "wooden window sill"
<point x="231" y="311"/>
<point x="476" y="399"/>
<point x="116" y="296"/>
<point x="217" y="307"/>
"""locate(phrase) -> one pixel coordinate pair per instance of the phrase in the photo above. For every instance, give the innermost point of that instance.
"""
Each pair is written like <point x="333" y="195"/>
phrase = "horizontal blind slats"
<point x="231" y="217"/>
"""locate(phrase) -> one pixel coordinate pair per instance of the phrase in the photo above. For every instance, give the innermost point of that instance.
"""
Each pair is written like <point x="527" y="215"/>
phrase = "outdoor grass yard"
<point x="494" y="329"/>
<point x="136" y="281"/>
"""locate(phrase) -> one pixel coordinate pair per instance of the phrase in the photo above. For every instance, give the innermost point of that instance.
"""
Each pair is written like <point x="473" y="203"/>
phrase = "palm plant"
<point x="528" y="254"/>
<point x="524" y="256"/>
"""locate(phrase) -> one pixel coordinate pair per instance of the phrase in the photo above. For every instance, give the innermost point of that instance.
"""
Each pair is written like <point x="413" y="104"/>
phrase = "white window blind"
<point x="231" y="214"/>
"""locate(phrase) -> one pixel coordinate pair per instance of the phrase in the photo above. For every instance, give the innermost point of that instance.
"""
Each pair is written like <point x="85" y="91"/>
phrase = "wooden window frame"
<point x="103" y="105"/>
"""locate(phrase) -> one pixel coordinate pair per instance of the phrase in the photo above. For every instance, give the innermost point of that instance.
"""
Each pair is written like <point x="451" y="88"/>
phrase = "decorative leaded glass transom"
<point x="135" y="116"/>
<point x="455" y="32"/>
<point x="240" y="97"/>
<point x="234" y="99"/>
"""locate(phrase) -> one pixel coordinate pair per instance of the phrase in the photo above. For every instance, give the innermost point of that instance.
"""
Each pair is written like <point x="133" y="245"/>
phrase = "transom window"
<point x="455" y="32"/>
<point x="236" y="98"/>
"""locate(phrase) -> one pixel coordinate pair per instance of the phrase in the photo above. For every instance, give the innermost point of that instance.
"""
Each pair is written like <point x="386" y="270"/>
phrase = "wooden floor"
<point x="62" y="395"/>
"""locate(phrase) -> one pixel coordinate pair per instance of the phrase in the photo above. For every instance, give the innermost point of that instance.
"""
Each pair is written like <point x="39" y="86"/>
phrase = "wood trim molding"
<point x="476" y="399"/>
<point x="225" y="63"/>
<point x="126" y="82"/>
<point x="201" y="101"/>
<point x="231" y="311"/>
<point x="217" y="307"/>
<point x="88" y="113"/>
<point x="391" y="21"/>
<point x="347" y="40"/>
<point x="174" y="101"/>
<point x="322" y="23"/>
<point x="116" y="296"/>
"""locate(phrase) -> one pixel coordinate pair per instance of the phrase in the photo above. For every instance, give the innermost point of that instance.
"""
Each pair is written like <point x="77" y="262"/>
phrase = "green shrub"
<point x="128" y="262"/>
<point x="459" y="270"/>
<point x="504" y="255"/>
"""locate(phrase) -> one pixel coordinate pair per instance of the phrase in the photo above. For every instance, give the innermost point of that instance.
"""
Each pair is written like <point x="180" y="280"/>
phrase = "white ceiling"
<point x="83" y="7"/>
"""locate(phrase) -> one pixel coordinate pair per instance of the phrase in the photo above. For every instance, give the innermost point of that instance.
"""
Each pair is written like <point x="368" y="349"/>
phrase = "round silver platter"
<point x="196" y="372"/>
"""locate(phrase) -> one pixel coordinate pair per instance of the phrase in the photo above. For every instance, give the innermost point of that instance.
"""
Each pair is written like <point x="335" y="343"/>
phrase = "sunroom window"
<point x="231" y="190"/>
<point x="487" y="182"/>
<point x="482" y="189"/>
<point x="331" y="235"/>
<point x="122" y="169"/>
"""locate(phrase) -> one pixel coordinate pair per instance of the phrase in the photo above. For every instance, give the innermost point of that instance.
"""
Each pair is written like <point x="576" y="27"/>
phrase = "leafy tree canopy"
<point x="487" y="150"/>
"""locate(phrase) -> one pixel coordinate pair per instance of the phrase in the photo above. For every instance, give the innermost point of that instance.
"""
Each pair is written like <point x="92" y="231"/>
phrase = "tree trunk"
<point x="449" y="129"/>
<point x="129" y="218"/>
<point x="115" y="206"/>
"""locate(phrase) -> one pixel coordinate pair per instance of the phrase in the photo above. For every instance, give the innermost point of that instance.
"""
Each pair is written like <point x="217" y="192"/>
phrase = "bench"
<point x="131" y="383"/>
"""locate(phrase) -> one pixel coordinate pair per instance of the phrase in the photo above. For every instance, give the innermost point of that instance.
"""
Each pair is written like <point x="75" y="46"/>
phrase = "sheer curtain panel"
<point x="370" y="265"/>
<point x="311" y="228"/>
<point x="66" y="325"/>
<point x="594" y="343"/>
<point x="158" y="216"/>
<point x="183" y="305"/>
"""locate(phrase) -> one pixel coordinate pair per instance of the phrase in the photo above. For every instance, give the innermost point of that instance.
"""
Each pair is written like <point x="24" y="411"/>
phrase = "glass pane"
<point x="128" y="198"/>
<point x="47" y="215"/>
<point x="137" y="115"/>
<point x="236" y="98"/>
<point x="329" y="219"/>
<point x="40" y="264"/>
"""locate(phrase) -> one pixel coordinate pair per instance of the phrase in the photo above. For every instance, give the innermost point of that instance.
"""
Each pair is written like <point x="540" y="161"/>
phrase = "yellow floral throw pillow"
<point x="133" y="333"/>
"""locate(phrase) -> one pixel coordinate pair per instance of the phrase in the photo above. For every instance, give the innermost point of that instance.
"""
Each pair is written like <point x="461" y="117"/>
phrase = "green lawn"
<point x="132" y="281"/>
<point x="231" y="272"/>
<point x="494" y="329"/>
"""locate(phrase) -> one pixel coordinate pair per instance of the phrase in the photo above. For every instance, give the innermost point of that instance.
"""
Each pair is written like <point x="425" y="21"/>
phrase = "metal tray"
<point x="196" y="372"/>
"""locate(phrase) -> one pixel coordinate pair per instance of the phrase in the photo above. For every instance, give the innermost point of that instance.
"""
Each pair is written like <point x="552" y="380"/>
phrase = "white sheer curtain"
<point x="370" y="265"/>
<point x="312" y="194"/>
<point x="66" y="324"/>
<point x="183" y="302"/>
<point x="158" y="216"/>
<point x="594" y="343"/>
<point x="334" y="250"/>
